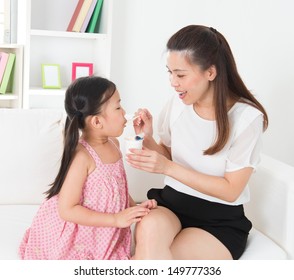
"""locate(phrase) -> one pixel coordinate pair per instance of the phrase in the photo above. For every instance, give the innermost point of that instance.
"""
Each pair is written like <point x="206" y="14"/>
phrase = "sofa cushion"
<point x="255" y="249"/>
<point x="271" y="208"/>
<point x="27" y="169"/>
<point x="15" y="219"/>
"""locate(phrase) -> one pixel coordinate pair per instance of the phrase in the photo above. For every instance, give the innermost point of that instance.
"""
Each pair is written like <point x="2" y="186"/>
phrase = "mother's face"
<point x="190" y="82"/>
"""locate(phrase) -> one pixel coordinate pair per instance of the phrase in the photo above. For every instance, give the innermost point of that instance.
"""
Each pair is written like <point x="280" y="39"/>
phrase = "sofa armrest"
<point x="271" y="208"/>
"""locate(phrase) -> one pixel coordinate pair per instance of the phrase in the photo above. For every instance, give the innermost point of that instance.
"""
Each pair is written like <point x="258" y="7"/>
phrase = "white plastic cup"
<point x="132" y="143"/>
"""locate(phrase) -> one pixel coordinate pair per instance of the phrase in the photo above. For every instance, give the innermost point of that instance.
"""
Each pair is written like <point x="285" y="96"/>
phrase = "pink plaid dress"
<point x="50" y="237"/>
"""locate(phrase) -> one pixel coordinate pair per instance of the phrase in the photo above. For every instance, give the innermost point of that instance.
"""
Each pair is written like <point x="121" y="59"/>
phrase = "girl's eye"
<point x="180" y="76"/>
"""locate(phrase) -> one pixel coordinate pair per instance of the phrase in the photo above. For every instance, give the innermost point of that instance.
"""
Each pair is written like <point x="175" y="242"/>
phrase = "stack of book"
<point x="86" y="16"/>
<point x="6" y="71"/>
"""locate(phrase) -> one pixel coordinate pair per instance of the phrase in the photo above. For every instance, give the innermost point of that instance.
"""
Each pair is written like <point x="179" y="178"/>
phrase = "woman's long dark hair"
<point x="83" y="98"/>
<point x="205" y="47"/>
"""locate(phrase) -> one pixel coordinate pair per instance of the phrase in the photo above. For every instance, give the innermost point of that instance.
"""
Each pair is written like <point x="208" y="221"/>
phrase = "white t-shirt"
<point x="189" y="135"/>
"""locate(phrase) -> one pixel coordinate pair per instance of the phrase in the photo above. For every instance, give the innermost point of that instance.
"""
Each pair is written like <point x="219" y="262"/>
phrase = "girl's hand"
<point x="148" y="160"/>
<point x="150" y="204"/>
<point x="143" y="124"/>
<point x="129" y="216"/>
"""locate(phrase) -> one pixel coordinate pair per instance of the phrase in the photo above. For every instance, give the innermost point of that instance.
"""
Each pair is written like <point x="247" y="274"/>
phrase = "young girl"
<point x="88" y="211"/>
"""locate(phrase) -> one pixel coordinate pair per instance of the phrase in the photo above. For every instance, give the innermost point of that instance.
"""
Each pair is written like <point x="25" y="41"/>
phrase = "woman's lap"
<point x="223" y="225"/>
<point x="161" y="230"/>
<point x="196" y="244"/>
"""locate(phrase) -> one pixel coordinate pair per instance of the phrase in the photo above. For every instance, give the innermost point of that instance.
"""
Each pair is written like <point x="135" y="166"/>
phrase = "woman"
<point x="210" y="140"/>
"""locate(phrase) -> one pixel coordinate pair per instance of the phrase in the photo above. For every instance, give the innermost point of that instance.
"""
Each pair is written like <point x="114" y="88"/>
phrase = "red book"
<point x="75" y="15"/>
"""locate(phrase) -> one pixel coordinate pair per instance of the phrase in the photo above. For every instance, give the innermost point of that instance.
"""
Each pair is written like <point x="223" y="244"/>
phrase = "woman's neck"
<point x="206" y="108"/>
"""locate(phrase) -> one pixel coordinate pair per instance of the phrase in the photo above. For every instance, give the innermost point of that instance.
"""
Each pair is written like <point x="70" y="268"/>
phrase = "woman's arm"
<point x="144" y="125"/>
<point x="151" y="144"/>
<point x="226" y="188"/>
<point x="242" y="158"/>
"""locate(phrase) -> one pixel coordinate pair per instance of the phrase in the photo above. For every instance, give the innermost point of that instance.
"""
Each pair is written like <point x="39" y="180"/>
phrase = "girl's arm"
<point x="132" y="202"/>
<point x="69" y="201"/>
<point x="149" y="203"/>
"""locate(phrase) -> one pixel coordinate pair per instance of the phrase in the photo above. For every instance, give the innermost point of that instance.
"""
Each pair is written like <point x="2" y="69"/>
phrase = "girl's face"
<point x="112" y="116"/>
<point x="190" y="82"/>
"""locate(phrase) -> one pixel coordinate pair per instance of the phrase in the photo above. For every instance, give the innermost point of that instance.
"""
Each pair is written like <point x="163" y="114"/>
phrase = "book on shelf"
<point x="6" y="83"/>
<point x="82" y="15"/>
<point x="88" y="16"/>
<point x="75" y="15"/>
<point x="3" y="61"/>
<point x="93" y="26"/>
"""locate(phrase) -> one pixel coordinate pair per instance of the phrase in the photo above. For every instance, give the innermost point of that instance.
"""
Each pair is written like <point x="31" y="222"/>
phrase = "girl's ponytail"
<point x="71" y="138"/>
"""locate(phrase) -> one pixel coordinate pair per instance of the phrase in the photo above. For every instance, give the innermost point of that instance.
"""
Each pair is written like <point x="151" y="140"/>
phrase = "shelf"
<point x="10" y="46"/>
<point x="14" y="99"/>
<point x="47" y="42"/>
<point x="8" y="96"/>
<point x="47" y="92"/>
<point x="65" y="34"/>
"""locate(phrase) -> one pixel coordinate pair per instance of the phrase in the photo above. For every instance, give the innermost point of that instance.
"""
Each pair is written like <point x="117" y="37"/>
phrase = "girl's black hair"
<point x="83" y="98"/>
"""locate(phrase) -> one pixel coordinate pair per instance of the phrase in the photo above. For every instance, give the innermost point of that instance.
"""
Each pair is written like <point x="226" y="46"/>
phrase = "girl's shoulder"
<point x="83" y="158"/>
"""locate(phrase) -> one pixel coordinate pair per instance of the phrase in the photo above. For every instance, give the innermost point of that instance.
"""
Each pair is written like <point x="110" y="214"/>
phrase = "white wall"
<point x="261" y="36"/>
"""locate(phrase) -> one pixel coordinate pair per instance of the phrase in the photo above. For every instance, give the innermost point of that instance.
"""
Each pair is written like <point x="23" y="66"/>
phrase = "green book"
<point x="8" y="74"/>
<point x="93" y="26"/>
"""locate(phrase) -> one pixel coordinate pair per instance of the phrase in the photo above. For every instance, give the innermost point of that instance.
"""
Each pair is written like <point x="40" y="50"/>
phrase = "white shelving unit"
<point x="47" y="41"/>
<point x="14" y="99"/>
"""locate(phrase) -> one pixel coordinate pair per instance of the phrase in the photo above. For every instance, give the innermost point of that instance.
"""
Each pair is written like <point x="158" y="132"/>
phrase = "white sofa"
<point x="30" y="149"/>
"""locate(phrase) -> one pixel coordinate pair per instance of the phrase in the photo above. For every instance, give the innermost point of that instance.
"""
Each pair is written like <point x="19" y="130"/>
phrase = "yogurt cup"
<point x="133" y="142"/>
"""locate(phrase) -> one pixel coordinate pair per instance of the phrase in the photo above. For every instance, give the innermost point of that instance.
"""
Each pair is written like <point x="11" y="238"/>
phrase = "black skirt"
<point x="226" y="222"/>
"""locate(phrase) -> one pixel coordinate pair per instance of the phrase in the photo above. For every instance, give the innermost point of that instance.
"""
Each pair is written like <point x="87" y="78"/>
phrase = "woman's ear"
<point x="96" y="122"/>
<point x="212" y="73"/>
